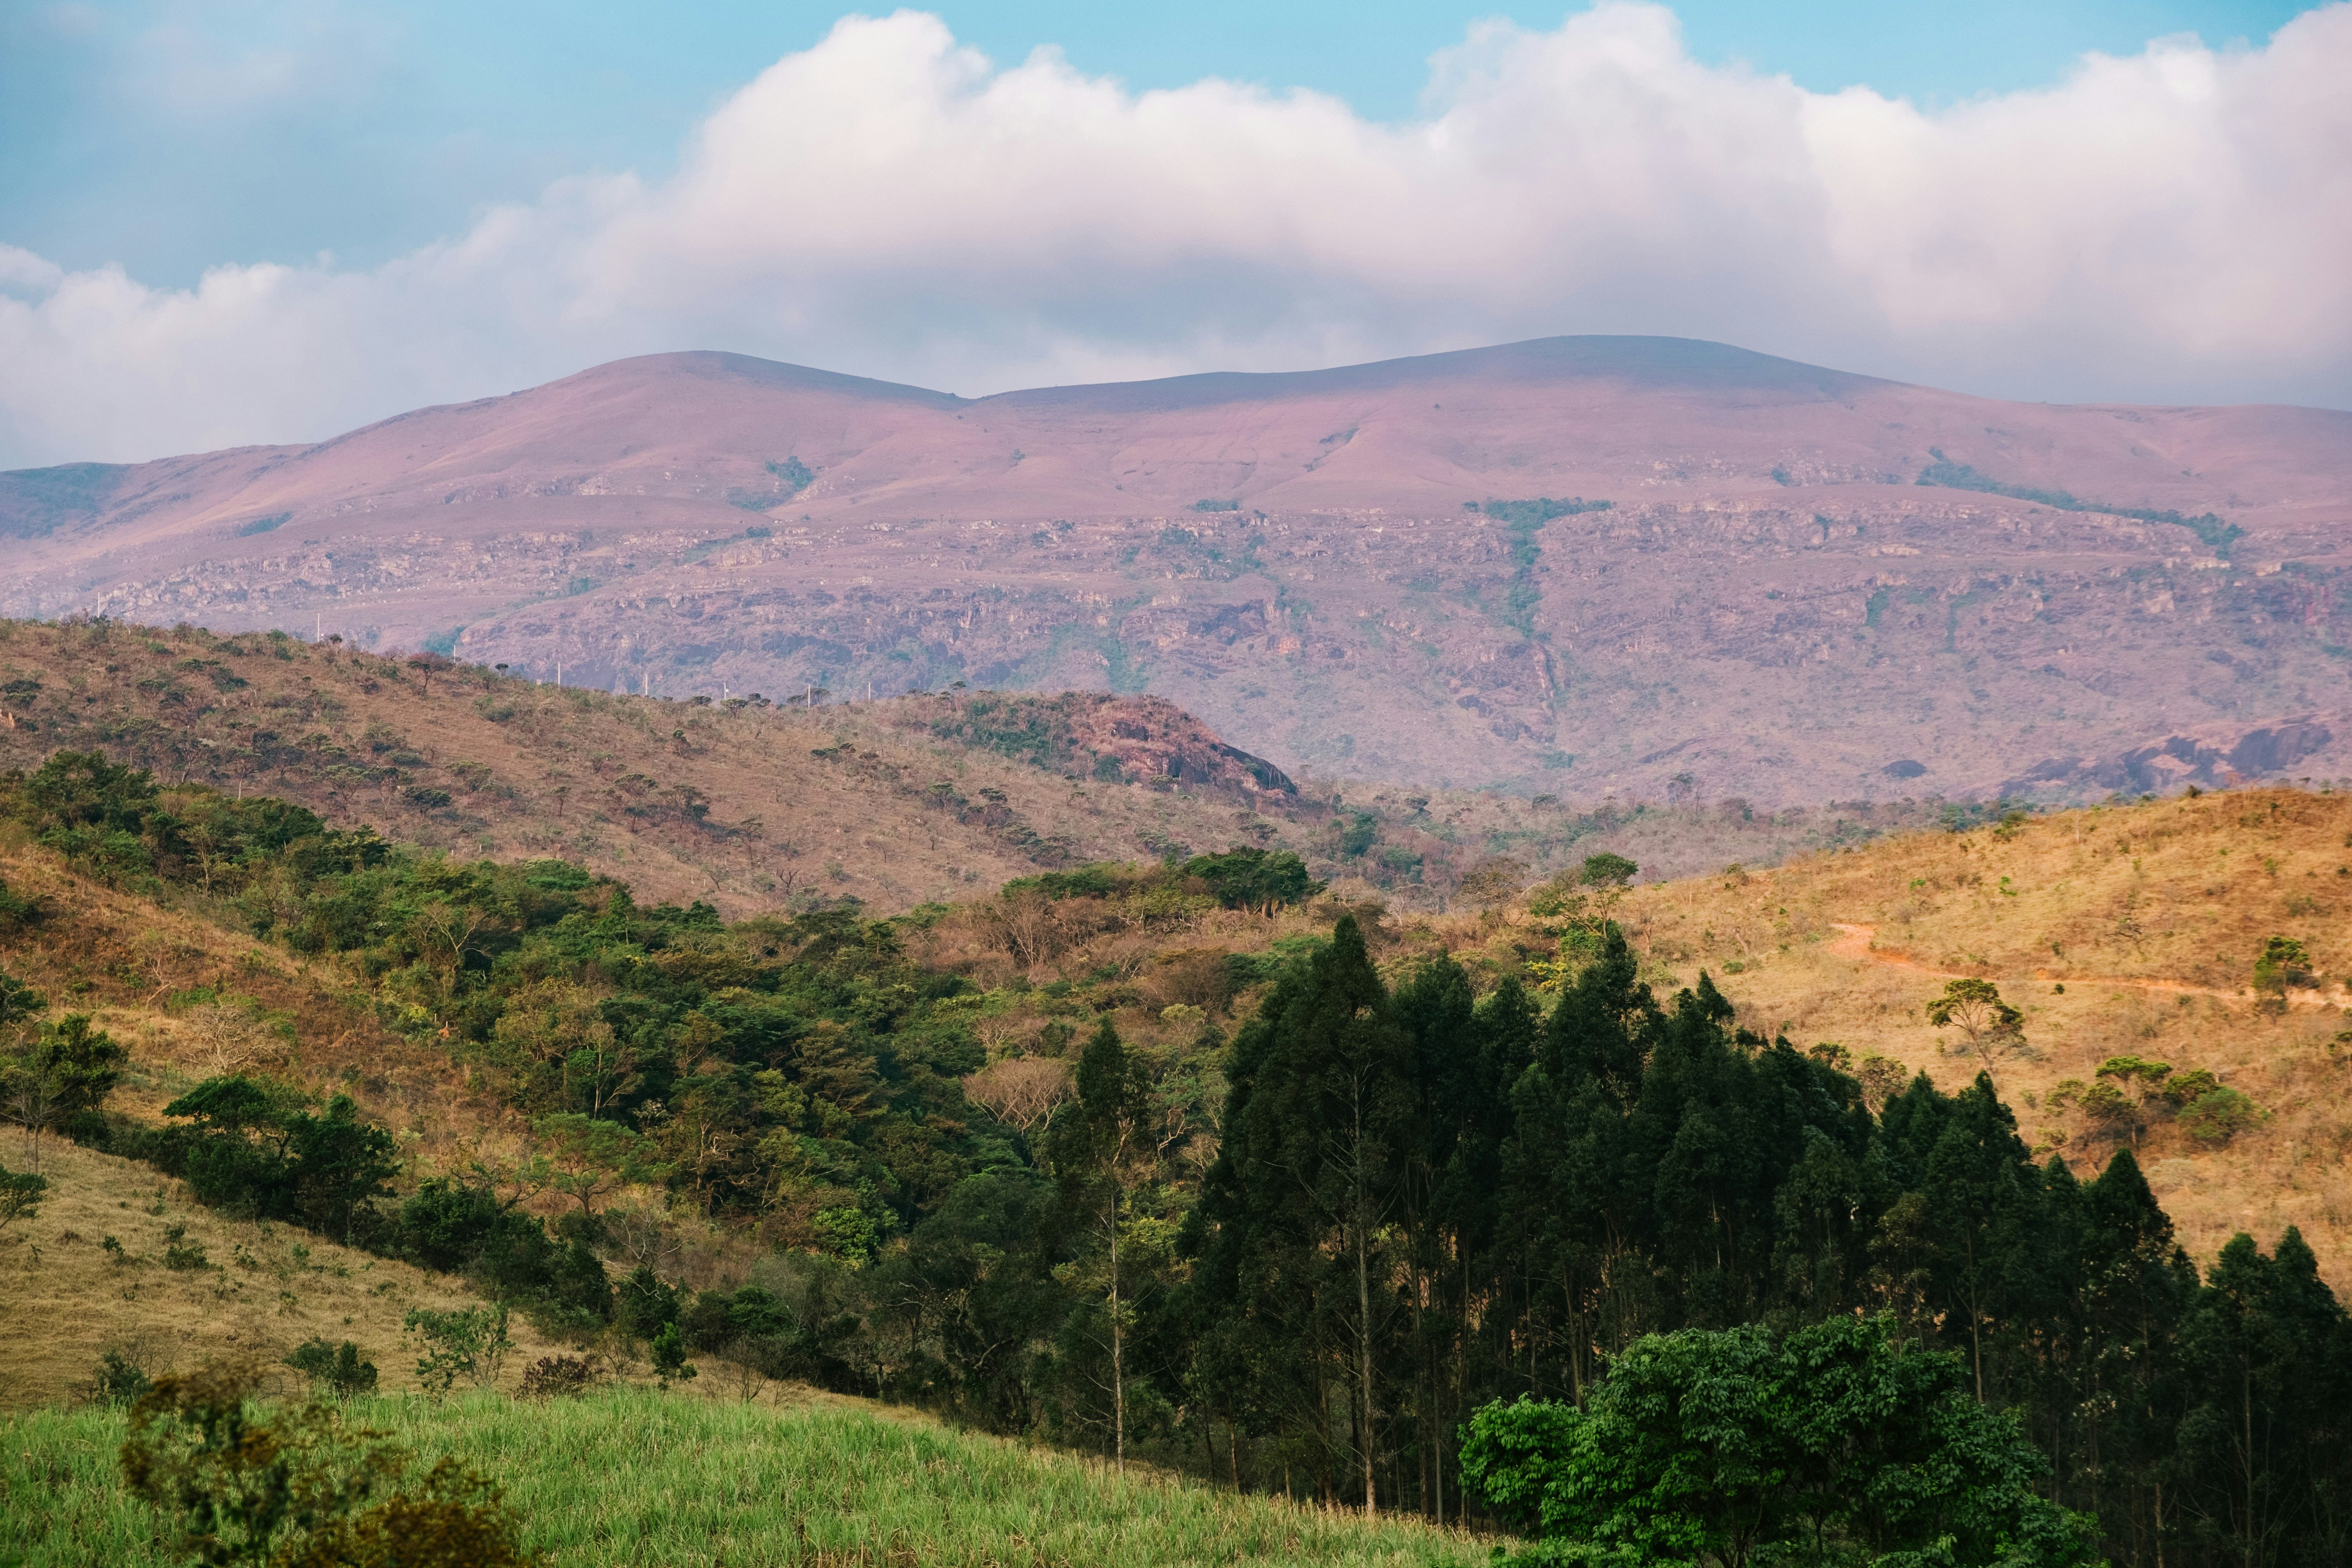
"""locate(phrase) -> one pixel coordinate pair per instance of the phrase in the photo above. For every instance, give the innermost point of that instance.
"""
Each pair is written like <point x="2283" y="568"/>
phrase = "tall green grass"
<point x="630" y="1476"/>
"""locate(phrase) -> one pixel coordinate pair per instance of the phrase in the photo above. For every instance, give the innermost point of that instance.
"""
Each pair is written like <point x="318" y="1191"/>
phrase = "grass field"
<point x="637" y="1477"/>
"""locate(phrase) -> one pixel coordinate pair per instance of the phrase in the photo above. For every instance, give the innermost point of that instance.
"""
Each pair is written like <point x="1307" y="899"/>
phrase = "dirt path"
<point x="1859" y="943"/>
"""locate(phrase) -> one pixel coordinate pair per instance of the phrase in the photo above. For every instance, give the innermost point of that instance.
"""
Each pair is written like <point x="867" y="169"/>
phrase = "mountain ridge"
<point x="1826" y="573"/>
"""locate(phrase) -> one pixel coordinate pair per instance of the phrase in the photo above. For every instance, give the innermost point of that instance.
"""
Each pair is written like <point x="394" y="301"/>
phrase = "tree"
<point x="20" y="1196"/>
<point x="1494" y="880"/>
<point x="1606" y="871"/>
<point x="1738" y="1445"/>
<point x="339" y="1368"/>
<point x="1314" y="1150"/>
<point x="1099" y="1152"/>
<point x="2263" y="1465"/>
<point x="471" y="1343"/>
<point x="1984" y="1019"/>
<point x="1246" y="878"/>
<point x="18" y="1003"/>
<point x="67" y="1070"/>
<point x="2284" y="961"/>
<point x="2135" y="1081"/>
<point x="670" y="1364"/>
<point x="589" y="1158"/>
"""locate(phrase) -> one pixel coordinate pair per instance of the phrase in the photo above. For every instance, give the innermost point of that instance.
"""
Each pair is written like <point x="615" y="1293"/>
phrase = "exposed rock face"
<point x="2212" y="759"/>
<point x="1800" y="588"/>
<point x="1125" y="739"/>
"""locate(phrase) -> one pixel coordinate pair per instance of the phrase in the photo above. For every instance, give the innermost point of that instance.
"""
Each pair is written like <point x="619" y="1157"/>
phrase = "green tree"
<point x="589" y="1158"/>
<point x="1984" y="1020"/>
<point x="2264" y="1464"/>
<point x="339" y="1368"/>
<point x="1101" y="1149"/>
<point x="1738" y="1446"/>
<point x="471" y="1343"/>
<point x="1246" y="878"/>
<point x="20" y="1196"/>
<point x="2284" y="961"/>
<point x="65" y="1071"/>
<point x="1313" y="1154"/>
<point x="669" y="1349"/>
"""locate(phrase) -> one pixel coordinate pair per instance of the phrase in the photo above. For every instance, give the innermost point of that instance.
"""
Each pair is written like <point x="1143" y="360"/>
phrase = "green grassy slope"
<point x="638" y="1477"/>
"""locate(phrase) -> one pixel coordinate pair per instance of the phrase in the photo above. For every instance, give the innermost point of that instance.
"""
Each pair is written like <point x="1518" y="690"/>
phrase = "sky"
<point x="241" y="221"/>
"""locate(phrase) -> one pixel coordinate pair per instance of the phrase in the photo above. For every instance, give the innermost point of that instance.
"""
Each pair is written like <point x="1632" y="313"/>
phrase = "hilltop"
<point x="1576" y="565"/>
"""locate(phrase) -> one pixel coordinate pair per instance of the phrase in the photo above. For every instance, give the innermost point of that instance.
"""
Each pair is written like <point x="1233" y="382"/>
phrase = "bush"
<point x="182" y="1255"/>
<point x="2219" y="1115"/>
<point x="20" y="1196"/>
<point x="645" y="1306"/>
<point x="121" y="1379"/>
<point x="471" y="1343"/>
<point x="339" y="1367"/>
<point x="669" y="1357"/>
<point x="302" y="1491"/>
<point x="553" y="1376"/>
<point x="251" y="1148"/>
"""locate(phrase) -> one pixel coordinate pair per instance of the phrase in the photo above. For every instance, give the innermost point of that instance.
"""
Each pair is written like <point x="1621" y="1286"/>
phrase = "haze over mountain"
<point x="1805" y="583"/>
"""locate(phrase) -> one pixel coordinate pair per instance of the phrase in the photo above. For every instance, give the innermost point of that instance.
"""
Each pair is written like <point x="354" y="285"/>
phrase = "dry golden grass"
<point x="65" y="1298"/>
<point x="2149" y="916"/>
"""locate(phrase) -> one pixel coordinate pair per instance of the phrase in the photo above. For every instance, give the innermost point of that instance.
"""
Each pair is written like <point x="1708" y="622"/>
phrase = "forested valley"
<point x="1337" y="1217"/>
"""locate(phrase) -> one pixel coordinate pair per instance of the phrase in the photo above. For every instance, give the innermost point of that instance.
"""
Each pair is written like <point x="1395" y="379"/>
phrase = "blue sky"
<point x="170" y="136"/>
<point x="234" y="221"/>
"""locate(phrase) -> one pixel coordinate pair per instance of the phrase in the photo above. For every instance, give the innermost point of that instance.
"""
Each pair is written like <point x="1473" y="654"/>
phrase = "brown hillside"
<point x="2125" y="931"/>
<point x="1775" y="605"/>
<point x="755" y="808"/>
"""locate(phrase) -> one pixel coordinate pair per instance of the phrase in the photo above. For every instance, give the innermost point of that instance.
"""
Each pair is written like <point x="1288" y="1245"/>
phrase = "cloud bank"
<point x="2175" y="225"/>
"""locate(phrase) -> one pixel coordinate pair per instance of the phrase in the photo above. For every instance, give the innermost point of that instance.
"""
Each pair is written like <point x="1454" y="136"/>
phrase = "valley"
<point x="837" y="1202"/>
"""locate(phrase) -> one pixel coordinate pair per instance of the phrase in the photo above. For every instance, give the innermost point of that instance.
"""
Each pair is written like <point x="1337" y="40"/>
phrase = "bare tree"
<point x="1021" y="1090"/>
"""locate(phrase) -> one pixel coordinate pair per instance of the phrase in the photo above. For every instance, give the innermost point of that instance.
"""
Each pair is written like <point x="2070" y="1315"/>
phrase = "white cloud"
<point x="2173" y="226"/>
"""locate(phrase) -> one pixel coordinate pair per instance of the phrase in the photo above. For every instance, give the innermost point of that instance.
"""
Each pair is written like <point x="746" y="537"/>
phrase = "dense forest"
<point x="1301" y="1256"/>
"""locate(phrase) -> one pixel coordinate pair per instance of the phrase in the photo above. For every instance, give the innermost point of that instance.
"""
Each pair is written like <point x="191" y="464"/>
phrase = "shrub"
<point x="121" y="1379"/>
<point x="552" y="1376"/>
<point x="471" y="1343"/>
<point x="302" y="1491"/>
<point x="20" y="1196"/>
<point x="669" y="1357"/>
<point x="180" y="1254"/>
<point x="339" y="1367"/>
<point x="2219" y="1115"/>
<point x="646" y="1305"/>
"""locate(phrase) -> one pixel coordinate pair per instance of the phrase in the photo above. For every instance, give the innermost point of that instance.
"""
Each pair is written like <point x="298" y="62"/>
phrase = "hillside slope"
<point x="753" y="807"/>
<point x="2127" y="931"/>
<point x="639" y="1476"/>
<point x="1805" y="578"/>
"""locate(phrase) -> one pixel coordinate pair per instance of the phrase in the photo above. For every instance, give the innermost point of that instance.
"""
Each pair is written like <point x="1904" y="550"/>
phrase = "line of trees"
<point x="1532" y="1195"/>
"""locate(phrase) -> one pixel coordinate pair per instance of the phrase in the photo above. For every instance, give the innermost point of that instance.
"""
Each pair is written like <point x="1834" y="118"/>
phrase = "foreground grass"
<point x="631" y="1476"/>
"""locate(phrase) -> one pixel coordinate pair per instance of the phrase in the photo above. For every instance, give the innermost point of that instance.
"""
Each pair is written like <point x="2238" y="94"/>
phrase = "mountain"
<point x="1805" y="585"/>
